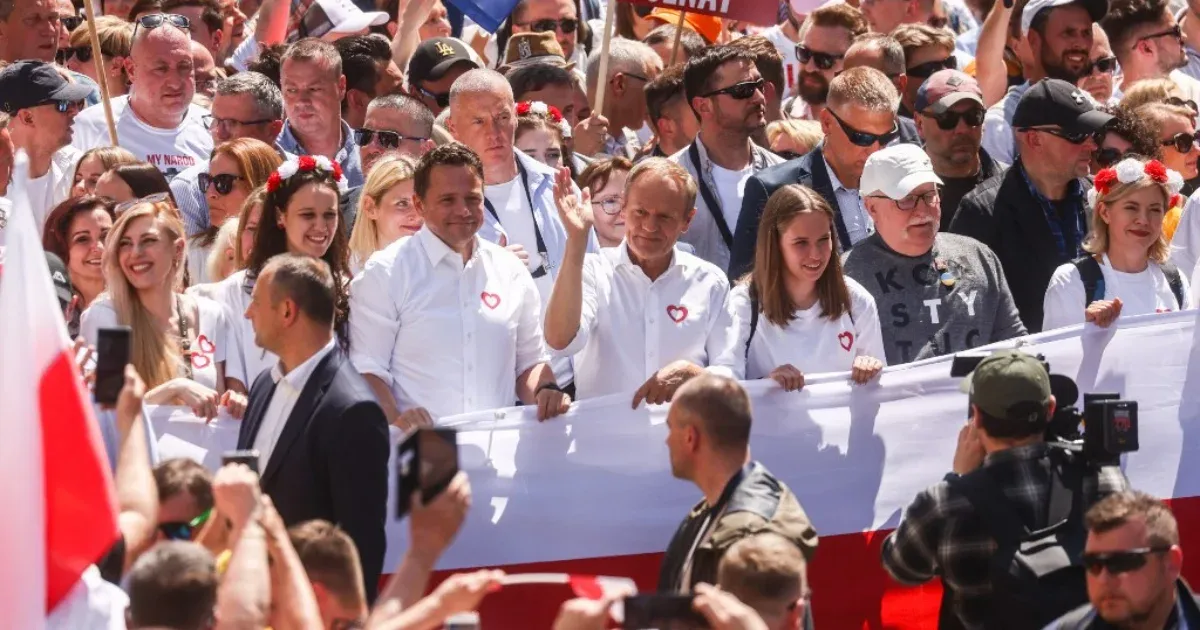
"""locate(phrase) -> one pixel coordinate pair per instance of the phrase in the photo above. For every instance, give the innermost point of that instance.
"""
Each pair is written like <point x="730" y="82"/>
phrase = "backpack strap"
<point x="1093" y="279"/>
<point x="1174" y="281"/>
<point x="753" y="317"/>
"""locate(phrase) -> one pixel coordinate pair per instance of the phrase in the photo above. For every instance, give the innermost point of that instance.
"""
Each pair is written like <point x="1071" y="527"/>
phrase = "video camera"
<point x="1106" y="428"/>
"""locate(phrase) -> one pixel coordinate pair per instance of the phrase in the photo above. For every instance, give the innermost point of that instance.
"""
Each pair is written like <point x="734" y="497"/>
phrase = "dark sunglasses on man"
<point x="1103" y="65"/>
<point x="739" y="91"/>
<point x="1182" y="142"/>
<point x="155" y="20"/>
<point x="927" y="69"/>
<point x="387" y="139"/>
<point x="823" y="61"/>
<point x="223" y="183"/>
<point x="82" y="53"/>
<point x="1078" y="137"/>
<point x="71" y="22"/>
<point x="442" y="100"/>
<point x="65" y="106"/>
<point x="947" y="121"/>
<point x="182" y="530"/>
<point x="1107" y="156"/>
<point x="864" y="139"/>
<point x="1118" y="562"/>
<point x="568" y="25"/>
<point x="1180" y="102"/>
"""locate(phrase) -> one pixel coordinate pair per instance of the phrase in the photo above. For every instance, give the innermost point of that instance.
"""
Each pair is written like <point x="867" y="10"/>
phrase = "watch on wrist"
<point x="550" y="386"/>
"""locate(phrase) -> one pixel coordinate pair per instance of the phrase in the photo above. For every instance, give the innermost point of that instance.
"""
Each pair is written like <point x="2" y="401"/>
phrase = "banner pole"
<point x="678" y="36"/>
<point x="602" y="81"/>
<point x="101" y="75"/>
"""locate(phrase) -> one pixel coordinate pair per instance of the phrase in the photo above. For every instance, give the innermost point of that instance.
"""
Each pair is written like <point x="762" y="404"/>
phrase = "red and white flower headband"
<point x="1130" y="171"/>
<point x="524" y="108"/>
<point x="306" y="163"/>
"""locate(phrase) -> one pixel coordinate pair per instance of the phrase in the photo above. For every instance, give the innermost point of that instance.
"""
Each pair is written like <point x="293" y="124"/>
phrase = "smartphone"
<point x="665" y="612"/>
<point x="113" y="346"/>
<point x="248" y="457"/>
<point x="426" y="460"/>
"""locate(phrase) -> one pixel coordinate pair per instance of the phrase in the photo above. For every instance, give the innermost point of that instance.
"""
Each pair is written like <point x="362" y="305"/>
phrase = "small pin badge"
<point x="947" y="279"/>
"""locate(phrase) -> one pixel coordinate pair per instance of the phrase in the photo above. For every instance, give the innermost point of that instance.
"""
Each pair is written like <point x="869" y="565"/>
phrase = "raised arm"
<point x="565" y="309"/>
<point x="244" y="596"/>
<point x="990" y="70"/>
<point x="294" y="603"/>
<point x="137" y="494"/>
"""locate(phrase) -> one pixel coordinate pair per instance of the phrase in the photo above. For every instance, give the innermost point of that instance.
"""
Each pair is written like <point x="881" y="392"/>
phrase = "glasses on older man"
<point x="387" y="139"/>
<point x="567" y="25"/>
<point x="910" y="202"/>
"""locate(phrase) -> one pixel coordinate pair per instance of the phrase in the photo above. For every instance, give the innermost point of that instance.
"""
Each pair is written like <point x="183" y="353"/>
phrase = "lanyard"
<point x="537" y="232"/>
<point x="710" y="201"/>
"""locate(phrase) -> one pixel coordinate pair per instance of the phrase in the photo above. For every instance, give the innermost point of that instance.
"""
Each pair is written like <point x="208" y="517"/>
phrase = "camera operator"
<point x="948" y="532"/>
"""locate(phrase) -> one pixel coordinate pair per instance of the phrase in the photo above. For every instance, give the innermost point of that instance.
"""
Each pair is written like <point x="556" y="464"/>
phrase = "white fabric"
<point x="287" y="391"/>
<point x="446" y="336"/>
<point x="246" y="52"/>
<point x="1185" y="245"/>
<point x="171" y="150"/>
<point x="998" y="138"/>
<point x="1140" y="293"/>
<point x="787" y="50"/>
<point x="731" y="187"/>
<point x="94" y="604"/>
<point x="516" y="219"/>
<point x="850" y="204"/>
<point x="47" y="191"/>
<point x="811" y="343"/>
<point x="208" y="351"/>
<point x="630" y="327"/>
<point x="197" y="263"/>
<point x="245" y="360"/>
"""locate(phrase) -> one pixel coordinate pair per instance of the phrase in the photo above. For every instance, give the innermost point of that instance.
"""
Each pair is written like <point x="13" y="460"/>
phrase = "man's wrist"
<point x="552" y="386"/>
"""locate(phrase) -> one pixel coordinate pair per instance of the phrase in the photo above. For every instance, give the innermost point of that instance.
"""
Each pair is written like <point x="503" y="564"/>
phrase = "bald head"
<point x="149" y="40"/>
<point x="719" y="408"/>
<point x="482" y="117"/>
<point x="161" y="67"/>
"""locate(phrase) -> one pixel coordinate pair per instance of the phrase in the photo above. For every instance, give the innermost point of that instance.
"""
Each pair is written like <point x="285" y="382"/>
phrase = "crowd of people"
<point x="417" y="218"/>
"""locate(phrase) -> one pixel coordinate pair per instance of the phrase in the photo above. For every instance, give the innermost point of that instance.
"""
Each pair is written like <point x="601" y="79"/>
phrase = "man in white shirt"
<point x="726" y="91"/>
<point x="785" y="37"/>
<point x="644" y="315"/>
<point x="156" y="121"/>
<point x="445" y="322"/>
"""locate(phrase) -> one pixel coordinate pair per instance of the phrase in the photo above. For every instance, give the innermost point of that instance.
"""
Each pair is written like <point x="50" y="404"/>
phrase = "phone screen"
<point x="665" y="612"/>
<point x="426" y="460"/>
<point x="247" y="457"/>
<point x="112" y="355"/>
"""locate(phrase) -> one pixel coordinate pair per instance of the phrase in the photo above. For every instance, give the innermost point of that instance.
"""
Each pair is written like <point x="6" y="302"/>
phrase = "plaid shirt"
<point x="941" y="535"/>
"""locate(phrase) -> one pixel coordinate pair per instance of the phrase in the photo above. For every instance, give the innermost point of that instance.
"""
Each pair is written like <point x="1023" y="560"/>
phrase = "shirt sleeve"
<point x="909" y="552"/>
<point x="97" y="316"/>
<point x="530" y="341"/>
<point x="216" y="329"/>
<point x="721" y="346"/>
<point x="866" y="326"/>
<point x="739" y="320"/>
<point x="374" y="320"/>
<point x="588" y="307"/>
<point x="1187" y="236"/>
<point x="246" y="52"/>
<point x="191" y="205"/>
<point x="1064" y="304"/>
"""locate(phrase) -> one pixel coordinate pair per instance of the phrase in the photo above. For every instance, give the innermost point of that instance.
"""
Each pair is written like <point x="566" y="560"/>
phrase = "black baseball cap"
<point x="434" y="57"/>
<point x="26" y="84"/>
<point x="61" y="278"/>
<point x="1056" y="102"/>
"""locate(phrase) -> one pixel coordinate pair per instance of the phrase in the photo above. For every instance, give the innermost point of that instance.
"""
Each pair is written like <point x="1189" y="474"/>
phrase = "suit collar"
<point x="306" y="405"/>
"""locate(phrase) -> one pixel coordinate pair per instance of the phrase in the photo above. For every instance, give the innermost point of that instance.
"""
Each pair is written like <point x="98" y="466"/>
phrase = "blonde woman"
<point x="178" y="340"/>
<point x="794" y="137"/>
<point x="95" y="163"/>
<point x="385" y="210"/>
<point x="1127" y="272"/>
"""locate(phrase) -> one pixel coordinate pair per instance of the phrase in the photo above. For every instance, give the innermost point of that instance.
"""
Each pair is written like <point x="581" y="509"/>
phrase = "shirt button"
<point x="651" y="320"/>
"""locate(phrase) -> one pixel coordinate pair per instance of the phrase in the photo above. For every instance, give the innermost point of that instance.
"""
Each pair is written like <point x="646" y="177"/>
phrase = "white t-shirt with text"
<point x="171" y="150"/>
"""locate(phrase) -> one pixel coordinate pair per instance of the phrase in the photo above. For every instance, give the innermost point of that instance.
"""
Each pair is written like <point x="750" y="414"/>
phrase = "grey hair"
<point x="410" y="107"/>
<point x="479" y="80"/>
<point x="625" y="55"/>
<point x="268" y="100"/>
<point x="890" y="50"/>
<point x="866" y="87"/>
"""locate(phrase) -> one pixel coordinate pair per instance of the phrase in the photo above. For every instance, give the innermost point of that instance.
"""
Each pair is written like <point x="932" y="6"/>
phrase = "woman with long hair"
<point x="178" y="341"/>
<point x="127" y="182"/>
<point x="247" y="226"/>
<point x="1126" y="271"/>
<point x="300" y="215"/>
<point x="235" y="169"/>
<point x="385" y="210"/>
<point x="75" y="231"/>
<point x="796" y="312"/>
<point x="93" y="164"/>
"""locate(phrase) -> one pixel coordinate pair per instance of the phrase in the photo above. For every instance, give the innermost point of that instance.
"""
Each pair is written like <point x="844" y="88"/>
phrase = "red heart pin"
<point x="490" y="300"/>
<point x="846" y="339"/>
<point x="677" y="313"/>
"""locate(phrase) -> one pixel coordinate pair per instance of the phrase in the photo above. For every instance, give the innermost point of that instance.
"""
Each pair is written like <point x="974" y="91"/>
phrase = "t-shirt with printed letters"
<point x="171" y="150"/>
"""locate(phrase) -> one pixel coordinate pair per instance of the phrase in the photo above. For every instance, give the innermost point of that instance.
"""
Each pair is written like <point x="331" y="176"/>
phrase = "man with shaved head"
<point x="156" y="121"/>
<point x="768" y="573"/>
<point x="708" y="436"/>
<point x="205" y="70"/>
<point x="313" y="89"/>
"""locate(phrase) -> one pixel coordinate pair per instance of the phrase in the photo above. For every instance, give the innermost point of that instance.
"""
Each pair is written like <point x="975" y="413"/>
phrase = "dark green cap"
<point x="1009" y="384"/>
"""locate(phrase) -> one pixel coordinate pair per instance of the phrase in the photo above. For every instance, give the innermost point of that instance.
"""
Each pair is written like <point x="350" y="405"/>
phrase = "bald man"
<point x="708" y="436"/>
<point x="156" y="121"/>
<point x="205" y="70"/>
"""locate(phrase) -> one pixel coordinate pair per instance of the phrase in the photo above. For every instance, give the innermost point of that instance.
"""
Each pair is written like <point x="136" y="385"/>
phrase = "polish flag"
<point x="57" y="491"/>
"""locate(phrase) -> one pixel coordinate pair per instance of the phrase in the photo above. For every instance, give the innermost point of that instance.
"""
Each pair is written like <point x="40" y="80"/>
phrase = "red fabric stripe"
<point x="81" y="506"/>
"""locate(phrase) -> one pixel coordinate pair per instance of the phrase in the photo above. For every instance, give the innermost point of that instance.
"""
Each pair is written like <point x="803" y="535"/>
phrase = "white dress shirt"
<point x="631" y="327"/>
<point x="244" y="359"/>
<point x="854" y="212"/>
<point x="446" y="336"/>
<point x="287" y="392"/>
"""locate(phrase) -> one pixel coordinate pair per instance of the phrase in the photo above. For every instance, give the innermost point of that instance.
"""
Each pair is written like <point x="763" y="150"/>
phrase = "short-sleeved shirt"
<point x="170" y="150"/>
<point x="1141" y="293"/>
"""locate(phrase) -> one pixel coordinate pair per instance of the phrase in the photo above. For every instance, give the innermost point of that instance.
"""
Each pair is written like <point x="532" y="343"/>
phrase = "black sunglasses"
<point x="823" y="61"/>
<point x="211" y="121"/>
<point x="72" y="22"/>
<point x="442" y="100"/>
<point x="1118" y="562"/>
<point x="642" y="10"/>
<point x="1179" y="102"/>
<point x="739" y="91"/>
<point x="927" y="69"/>
<point x="181" y="530"/>
<point x="1182" y="142"/>
<point x="1103" y="65"/>
<point x="1108" y="156"/>
<point x="1073" y="138"/>
<point x="223" y="182"/>
<point x="387" y="139"/>
<point x="64" y="106"/>
<point x="949" y="120"/>
<point x="1176" y="32"/>
<point x="568" y="25"/>
<point x="155" y="20"/>
<point x="864" y="139"/>
<point x="82" y="53"/>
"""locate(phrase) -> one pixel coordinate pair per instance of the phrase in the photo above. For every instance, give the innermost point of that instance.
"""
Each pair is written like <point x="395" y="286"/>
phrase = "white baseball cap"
<point x="342" y="17"/>
<point x="1095" y="8"/>
<point x="896" y="171"/>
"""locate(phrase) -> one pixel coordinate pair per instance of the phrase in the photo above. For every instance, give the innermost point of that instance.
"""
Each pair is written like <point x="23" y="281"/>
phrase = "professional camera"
<point x="1107" y="427"/>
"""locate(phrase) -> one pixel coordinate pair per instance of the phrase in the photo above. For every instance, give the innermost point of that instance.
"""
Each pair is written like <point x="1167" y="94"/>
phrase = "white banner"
<point x="597" y="481"/>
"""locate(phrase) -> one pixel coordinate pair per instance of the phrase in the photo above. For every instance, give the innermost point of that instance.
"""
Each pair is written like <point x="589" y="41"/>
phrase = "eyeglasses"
<point x="864" y="139"/>
<point x="387" y="139"/>
<point x="155" y="198"/>
<point x="223" y="183"/>
<point x="1118" y="562"/>
<point x="66" y="106"/>
<point x="949" y="120"/>
<point x="1107" y="156"/>
<point x="71" y="22"/>
<point x="442" y="100"/>
<point x="182" y="530"/>
<point x="1175" y="31"/>
<point x="938" y="21"/>
<point x="927" y="69"/>
<point x="609" y="206"/>
<point x="823" y="61"/>
<point x="1103" y="65"/>
<point x="82" y="53"/>
<point x="1074" y="138"/>
<point x="155" y="20"/>
<point x="1182" y="142"/>
<point x="568" y="25"/>
<point x="1179" y="102"/>
<point x="910" y="202"/>
<point x="211" y="121"/>
<point x="739" y="91"/>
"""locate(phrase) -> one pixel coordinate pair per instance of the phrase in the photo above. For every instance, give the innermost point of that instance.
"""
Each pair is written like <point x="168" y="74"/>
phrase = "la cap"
<point x="434" y="57"/>
<point x="1056" y="102"/>
<point x="26" y="84"/>
<point x="945" y="89"/>
<point x="1009" y="384"/>
<point x="1095" y="8"/>
<point x="896" y="171"/>
<point x="525" y="49"/>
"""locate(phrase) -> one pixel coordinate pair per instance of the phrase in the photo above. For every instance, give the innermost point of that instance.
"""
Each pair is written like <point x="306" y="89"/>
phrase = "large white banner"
<point x="597" y="481"/>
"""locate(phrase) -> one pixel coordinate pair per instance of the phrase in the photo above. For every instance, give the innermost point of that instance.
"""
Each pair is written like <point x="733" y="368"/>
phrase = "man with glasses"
<point x="1098" y="81"/>
<point x="246" y="105"/>
<point x="313" y="88"/>
<point x="1033" y="216"/>
<point x="859" y="120"/>
<point x="824" y="39"/>
<point x="927" y="50"/>
<point x="950" y="120"/>
<point x="631" y="66"/>
<point x="1148" y="43"/>
<point x="394" y="125"/>
<point x="434" y="67"/>
<point x="882" y="52"/>
<point x="1133" y="563"/>
<point x="552" y="16"/>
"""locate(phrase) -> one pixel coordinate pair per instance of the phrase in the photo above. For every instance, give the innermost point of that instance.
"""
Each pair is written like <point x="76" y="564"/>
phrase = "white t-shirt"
<point x="516" y="219"/>
<point x="245" y="360"/>
<point x="49" y="190"/>
<point x="811" y="343"/>
<point x="209" y="347"/>
<point x="786" y="48"/>
<point x="1141" y="293"/>
<point x="171" y="150"/>
<point x="197" y="262"/>
<point x="92" y="603"/>
<point x="731" y="187"/>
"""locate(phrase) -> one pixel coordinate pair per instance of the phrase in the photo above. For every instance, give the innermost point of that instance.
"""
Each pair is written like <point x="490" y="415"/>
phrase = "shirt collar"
<point x="1074" y="188"/>
<point x="290" y="143"/>
<point x="299" y="375"/>
<point x="1028" y="451"/>
<point x="436" y="249"/>
<point x="624" y="259"/>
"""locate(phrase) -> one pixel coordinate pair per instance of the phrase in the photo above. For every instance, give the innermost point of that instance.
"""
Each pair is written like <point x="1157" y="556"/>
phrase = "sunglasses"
<point x="211" y="121"/>
<point x="1118" y="562"/>
<point x="823" y="61"/>
<point x="949" y="120"/>
<point x="387" y="139"/>
<point x="1103" y="65"/>
<point x="567" y="25"/>
<point x="864" y="139"/>
<point x="740" y="91"/>
<point x="609" y="206"/>
<point x="71" y="22"/>
<point x="1176" y="32"/>
<point x="223" y="183"/>
<point x="1073" y="138"/>
<point x="155" y="20"/>
<point x="1108" y="156"/>
<point x="82" y="53"/>
<point x="642" y="10"/>
<point x="442" y="100"/>
<point x="1182" y="142"/>
<point x="182" y="530"/>
<point x="1179" y="102"/>
<point x="910" y="202"/>
<point x="66" y="106"/>
<point x="927" y="69"/>
<point x="155" y="198"/>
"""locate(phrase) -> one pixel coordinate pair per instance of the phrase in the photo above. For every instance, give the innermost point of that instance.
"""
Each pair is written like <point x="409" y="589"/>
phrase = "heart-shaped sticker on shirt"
<point x="490" y="300"/>
<point x="677" y="313"/>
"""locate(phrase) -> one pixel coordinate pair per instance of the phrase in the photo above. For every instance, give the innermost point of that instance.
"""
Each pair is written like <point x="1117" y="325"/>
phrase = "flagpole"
<point x="602" y="82"/>
<point x="101" y="75"/>
<point x="678" y="37"/>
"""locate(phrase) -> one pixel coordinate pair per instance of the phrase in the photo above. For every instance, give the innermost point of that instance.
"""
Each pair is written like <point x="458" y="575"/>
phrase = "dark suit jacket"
<point x="331" y="459"/>
<point x="1002" y="214"/>
<point x="348" y="205"/>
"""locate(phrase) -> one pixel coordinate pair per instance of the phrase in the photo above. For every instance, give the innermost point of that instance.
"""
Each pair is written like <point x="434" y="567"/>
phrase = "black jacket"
<point x="1085" y="617"/>
<point x="1003" y="214"/>
<point x="331" y="458"/>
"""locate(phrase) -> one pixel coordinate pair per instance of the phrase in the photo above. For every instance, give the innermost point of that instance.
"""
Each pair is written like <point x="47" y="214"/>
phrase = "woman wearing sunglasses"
<point x="605" y="180"/>
<point x="116" y="38"/>
<point x="235" y="169"/>
<point x="75" y="231"/>
<point x="95" y="163"/>
<point x="178" y="341"/>
<point x="1126" y="134"/>
<point x="796" y="313"/>
<point x="128" y="182"/>
<point x="1175" y="128"/>
<point x="1126" y="272"/>
<point x="386" y="212"/>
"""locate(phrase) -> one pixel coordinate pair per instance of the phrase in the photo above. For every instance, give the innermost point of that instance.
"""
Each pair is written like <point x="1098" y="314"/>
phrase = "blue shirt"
<point x="1068" y="231"/>
<point x="347" y="156"/>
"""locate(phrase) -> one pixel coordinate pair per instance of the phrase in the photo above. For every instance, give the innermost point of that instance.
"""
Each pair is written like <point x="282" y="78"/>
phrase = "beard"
<point x="1057" y="67"/>
<point x="813" y="87"/>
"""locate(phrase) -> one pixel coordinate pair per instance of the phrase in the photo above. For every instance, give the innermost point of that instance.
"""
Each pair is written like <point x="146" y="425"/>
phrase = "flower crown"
<point x="305" y="163"/>
<point x="524" y="108"/>
<point x="1131" y="171"/>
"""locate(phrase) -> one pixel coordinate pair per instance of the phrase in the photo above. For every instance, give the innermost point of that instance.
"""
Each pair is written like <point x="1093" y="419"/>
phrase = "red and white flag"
<point x="56" y="490"/>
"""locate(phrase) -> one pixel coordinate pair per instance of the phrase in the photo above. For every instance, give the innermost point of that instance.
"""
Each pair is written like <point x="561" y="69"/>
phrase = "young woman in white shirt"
<point x="1126" y="242"/>
<point x="178" y="340"/>
<point x="385" y="209"/>
<point x="811" y="318"/>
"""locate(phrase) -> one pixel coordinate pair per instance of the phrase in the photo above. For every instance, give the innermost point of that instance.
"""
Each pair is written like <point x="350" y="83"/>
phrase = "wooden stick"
<point x="101" y="75"/>
<point x="602" y="81"/>
<point x="678" y="37"/>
